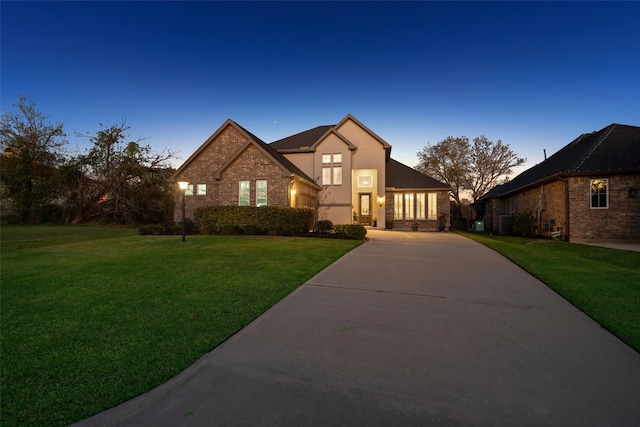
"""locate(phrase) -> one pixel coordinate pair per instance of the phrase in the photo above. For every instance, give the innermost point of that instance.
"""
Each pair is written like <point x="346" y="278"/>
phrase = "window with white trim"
<point x="599" y="194"/>
<point x="397" y="206"/>
<point x="409" y="205"/>
<point x="432" y="203"/>
<point x="420" y="205"/>
<point x="189" y="190"/>
<point x="332" y="169"/>
<point x="201" y="189"/>
<point x="261" y="193"/>
<point x="244" y="191"/>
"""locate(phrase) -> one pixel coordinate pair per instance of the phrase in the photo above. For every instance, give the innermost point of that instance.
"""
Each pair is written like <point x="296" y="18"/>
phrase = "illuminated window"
<point x="244" y="190"/>
<point x="420" y="206"/>
<point x="189" y="190"/>
<point x="599" y="194"/>
<point x="261" y="193"/>
<point x="432" y="206"/>
<point x="365" y="181"/>
<point x="326" y="176"/>
<point x="397" y="206"/>
<point x="337" y="175"/>
<point x="201" y="189"/>
<point x="408" y="205"/>
<point x="332" y="172"/>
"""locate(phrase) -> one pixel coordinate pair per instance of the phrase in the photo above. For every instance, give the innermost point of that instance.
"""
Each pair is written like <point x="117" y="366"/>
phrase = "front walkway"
<point x="407" y="329"/>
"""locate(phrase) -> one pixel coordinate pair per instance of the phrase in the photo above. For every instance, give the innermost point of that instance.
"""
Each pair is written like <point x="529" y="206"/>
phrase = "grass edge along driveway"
<point x="91" y="317"/>
<point x="603" y="283"/>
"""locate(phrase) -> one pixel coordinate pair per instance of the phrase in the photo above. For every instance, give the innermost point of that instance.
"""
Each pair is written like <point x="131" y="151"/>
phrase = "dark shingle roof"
<point x="302" y="139"/>
<point x="399" y="175"/>
<point x="612" y="150"/>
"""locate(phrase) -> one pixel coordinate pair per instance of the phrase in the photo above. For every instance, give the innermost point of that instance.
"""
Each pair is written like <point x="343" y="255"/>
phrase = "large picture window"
<point x="397" y="206"/>
<point x="420" y="205"/>
<point x="244" y="191"/>
<point x="261" y="193"/>
<point x="433" y="206"/>
<point x="409" y="206"/>
<point x="599" y="194"/>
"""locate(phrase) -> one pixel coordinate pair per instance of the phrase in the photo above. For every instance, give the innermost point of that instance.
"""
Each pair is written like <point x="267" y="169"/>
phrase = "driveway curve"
<point x="407" y="329"/>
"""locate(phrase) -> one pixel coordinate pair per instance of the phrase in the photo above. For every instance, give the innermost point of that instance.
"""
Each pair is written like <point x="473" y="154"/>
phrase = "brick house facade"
<point x="344" y="171"/>
<point x="562" y="194"/>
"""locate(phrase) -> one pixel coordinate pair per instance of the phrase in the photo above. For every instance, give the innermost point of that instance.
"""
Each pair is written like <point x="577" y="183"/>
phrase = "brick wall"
<point x="250" y="165"/>
<point x="620" y="221"/>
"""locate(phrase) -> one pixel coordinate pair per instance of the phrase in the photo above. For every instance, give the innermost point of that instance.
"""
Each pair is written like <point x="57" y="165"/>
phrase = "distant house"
<point x="344" y="171"/>
<point x="587" y="190"/>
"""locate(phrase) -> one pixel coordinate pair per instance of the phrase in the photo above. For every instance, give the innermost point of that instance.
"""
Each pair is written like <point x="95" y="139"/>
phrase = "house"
<point x="587" y="190"/>
<point x="344" y="171"/>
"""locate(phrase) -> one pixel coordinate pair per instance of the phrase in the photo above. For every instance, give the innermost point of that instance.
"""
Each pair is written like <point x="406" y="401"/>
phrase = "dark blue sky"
<point x="535" y="75"/>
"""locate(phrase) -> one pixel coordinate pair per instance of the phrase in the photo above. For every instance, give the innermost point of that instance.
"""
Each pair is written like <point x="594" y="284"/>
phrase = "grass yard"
<point x="91" y="316"/>
<point x="603" y="283"/>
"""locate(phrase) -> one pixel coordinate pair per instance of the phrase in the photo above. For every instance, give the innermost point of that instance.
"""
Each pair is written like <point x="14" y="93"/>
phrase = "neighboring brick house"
<point x="590" y="189"/>
<point x="344" y="171"/>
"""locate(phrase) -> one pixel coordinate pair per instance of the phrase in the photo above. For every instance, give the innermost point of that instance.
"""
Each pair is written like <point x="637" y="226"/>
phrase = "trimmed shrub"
<point x="523" y="224"/>
<point x="352" y="231"/>
<point x="324" y="226"/>
<point x="273" y="220"/>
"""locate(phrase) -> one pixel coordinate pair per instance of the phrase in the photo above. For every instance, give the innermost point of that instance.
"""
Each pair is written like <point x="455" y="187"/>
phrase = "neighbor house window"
<point x="189" y="190"/>
<point x="244" y="190"/>
<point x="433" y="206"/>
<point x="599" y="194"/>
<point x="261" y="193"/>
<point x="397" y="206"/>
<point x="420" y="208"/>
<point x="332" y="169"/>
<point x="408" y="205"/>
<point x="201" y="189"/>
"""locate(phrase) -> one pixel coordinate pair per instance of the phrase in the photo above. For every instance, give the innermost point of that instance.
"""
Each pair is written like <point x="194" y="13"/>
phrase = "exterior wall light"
<point x="380" y="200"/>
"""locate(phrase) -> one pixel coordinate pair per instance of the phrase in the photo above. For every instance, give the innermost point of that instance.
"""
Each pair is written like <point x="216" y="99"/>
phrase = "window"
<point x="201" y="189"/>
<point x="365" y="181"/>
<point x="244" y="193"/>
<point x="332" y="169"/>
<point x="420" y="206"/>
<point x="189" y="190"/>
<point x="599" y="194"/>
<point x="261" y="193"/>
<point x="337" y="175"/>
<point x="408" y="205"/>
<point x="433" y="206"/>
<point x="326" y="176"/>
<point x="397" y="206"/>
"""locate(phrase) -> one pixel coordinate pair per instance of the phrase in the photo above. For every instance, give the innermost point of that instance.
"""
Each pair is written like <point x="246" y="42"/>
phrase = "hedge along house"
<point x="587" y="190"/>
<point x="340" y="170"/>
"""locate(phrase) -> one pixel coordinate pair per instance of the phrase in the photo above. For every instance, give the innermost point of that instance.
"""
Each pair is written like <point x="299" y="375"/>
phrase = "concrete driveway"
<point x="407" y="329"/>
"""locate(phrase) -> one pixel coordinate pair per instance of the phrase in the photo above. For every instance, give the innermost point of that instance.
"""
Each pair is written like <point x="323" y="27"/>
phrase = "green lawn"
<point x="603" y="283"/>
<point x="91" y="317"/>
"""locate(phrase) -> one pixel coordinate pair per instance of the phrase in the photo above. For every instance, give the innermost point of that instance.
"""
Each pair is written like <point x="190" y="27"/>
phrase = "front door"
<point x="365" y="208"/>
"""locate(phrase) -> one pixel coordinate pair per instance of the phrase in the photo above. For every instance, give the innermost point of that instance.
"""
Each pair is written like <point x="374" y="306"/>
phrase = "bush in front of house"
<point x="352" y="231"/>
<point x="324" y="226"/>
<point x="274" y="220"/>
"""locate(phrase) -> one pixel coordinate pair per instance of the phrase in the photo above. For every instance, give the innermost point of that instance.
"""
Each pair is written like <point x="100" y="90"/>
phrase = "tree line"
<point x="116" y="180"/>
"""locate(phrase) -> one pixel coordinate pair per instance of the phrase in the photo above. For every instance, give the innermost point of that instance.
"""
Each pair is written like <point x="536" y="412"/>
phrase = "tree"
<point x="130" y="181"/>
<point x="475" y="168"/>
<point x="448" y="162"/>
<point x="32" y="150"/>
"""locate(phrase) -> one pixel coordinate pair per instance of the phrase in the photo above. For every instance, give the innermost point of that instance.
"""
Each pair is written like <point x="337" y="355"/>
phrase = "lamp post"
<point x="183" y="186"/>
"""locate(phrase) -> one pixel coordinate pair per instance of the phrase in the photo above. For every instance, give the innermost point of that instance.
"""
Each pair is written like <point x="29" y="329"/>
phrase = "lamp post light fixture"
<point x="183" y="186"/>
